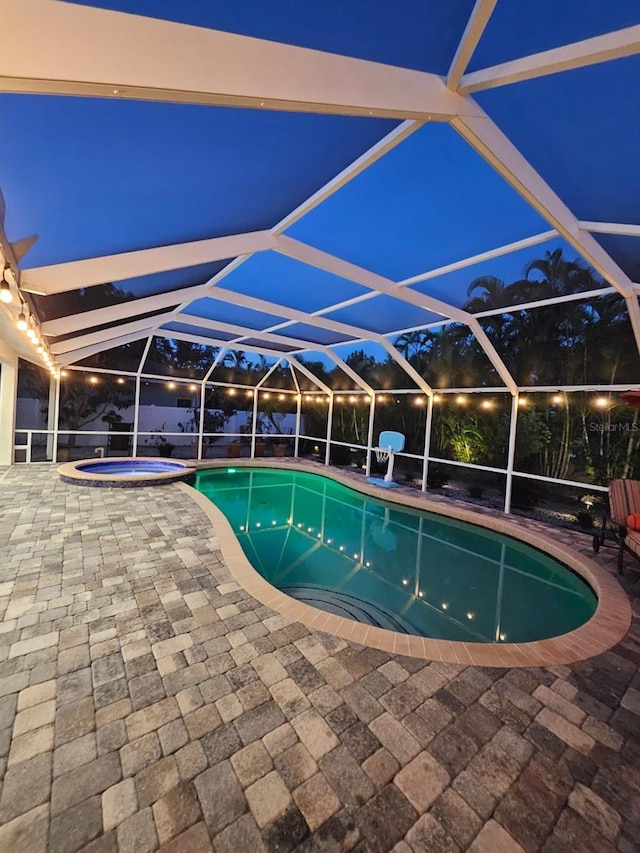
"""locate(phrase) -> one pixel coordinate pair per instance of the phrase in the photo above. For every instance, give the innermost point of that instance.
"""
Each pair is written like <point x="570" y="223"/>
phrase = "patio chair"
<point x="624" y="501"/>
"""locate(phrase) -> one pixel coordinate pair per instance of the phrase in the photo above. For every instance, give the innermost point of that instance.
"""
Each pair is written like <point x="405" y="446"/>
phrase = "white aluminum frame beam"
<point x="105" y="336"/>
<point x="311" y="376"/>
<point x="197" y="339"/>
<point x="89" y="350"/>
<point x="59" y="278"/>
<point x="59" y="48"/>
<point x="351" y="272"/>
<point x="603" y="48"/>
<point x="489" y="255"/>
<point x="242" y="331"/>
<point x="476" y="26"/>
<point x="624" y="230"/>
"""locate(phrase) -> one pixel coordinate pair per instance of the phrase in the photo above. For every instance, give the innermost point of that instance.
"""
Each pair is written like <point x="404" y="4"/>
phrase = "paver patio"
<point x="148" y="702"/>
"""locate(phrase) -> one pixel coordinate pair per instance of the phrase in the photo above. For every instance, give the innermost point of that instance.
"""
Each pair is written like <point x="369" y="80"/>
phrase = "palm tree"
<point x="235" y="359"/>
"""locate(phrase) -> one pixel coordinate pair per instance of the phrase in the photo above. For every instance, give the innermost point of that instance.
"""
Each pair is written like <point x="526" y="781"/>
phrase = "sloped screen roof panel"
<point x="454" y="287"/>
<point x="271" y="276"/>
<point x="517" y="28"/>
<point x="227" y="312"/>
<point x="119" y="175"/>
<point x="430" y="201"/>
<point x="581" y="131"/>
<point x="384" y="314"/>
<point x="625" y="251"/>
<point x="313" y="334"/>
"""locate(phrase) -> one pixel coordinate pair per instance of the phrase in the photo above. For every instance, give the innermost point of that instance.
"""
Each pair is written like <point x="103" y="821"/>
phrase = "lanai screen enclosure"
<point x="322" y="220"/>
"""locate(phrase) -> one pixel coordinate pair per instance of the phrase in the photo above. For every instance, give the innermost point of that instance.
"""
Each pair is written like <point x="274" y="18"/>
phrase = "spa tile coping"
<point x="608" y="625"/>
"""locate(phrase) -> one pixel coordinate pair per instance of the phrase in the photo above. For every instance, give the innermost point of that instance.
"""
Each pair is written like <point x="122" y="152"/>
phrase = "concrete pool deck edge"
<point x="609" y="624"/>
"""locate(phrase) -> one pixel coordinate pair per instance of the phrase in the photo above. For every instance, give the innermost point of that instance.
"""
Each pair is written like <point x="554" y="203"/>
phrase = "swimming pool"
<point x="393" y="567"/>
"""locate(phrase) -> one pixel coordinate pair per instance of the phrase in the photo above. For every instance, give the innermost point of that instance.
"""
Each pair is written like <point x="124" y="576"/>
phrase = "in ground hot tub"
<point x="139" y="471"/>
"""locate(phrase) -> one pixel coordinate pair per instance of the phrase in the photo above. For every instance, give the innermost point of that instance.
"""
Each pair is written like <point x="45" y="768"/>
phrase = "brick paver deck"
<point x="148" y="702"/>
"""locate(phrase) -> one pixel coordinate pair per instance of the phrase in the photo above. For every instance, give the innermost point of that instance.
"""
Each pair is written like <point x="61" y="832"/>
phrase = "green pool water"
<point x="410" y="571"/>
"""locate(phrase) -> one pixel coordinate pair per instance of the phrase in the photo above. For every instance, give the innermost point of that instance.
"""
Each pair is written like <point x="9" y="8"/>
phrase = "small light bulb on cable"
<point x="21" y="322"/>
<point x="6" y="295"/>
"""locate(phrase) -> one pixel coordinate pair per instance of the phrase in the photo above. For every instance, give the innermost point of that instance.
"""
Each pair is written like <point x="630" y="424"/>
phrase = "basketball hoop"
<point x="389" y="443"/>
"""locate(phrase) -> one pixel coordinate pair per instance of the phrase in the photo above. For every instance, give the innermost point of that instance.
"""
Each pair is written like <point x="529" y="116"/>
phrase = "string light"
<point x="171" y="386"/>
<point x="231" y="392"/>
<point x="22" y="323"/>
<point x="522" y="401"/>
<point x="93" y="380"/>
<point x="461" y="400"/>
<point x="602" y="402"/>
<point x="6" y="295"/>
<point x="266" y="395"/>
<point x="487" y="404"/>
<point x="556" y="399"/>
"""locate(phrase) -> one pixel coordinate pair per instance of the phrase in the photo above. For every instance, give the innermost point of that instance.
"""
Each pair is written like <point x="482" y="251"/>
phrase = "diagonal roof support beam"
<point x="128" y="54"/>
<point x="215" y="342"/>
<point x="106" y="336"/>
<point x="345" y="269"/>
<point x="293" y="362"/>
<point x="87" y="351"/>
<point x="346" y="369"/>
<point x="74" y="275"/>
<point x="476" y="25"/>
<point x="234" y="329"/>
<point x="408" y="368"/>
<point x="121" y="311"/>
<point x="624" y="230"/>
<point x="591" y="51"/>
<point x="498" y="252"/>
